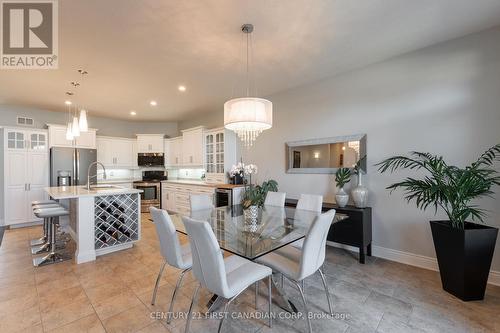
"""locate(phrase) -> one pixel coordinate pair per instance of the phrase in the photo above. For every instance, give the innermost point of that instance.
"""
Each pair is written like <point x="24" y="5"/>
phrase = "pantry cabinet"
<point x="150" y="143"/>
<point x="116" y="152"/>
<point x="26" y="172"/>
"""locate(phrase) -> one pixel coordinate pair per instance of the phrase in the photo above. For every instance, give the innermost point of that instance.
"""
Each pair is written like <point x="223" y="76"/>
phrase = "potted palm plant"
<point x="464" y="249"/>
<point x="342" y="177"/>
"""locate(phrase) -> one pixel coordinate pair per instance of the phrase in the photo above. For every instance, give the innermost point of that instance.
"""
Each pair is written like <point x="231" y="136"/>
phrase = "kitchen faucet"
<point x="88" y="172"/>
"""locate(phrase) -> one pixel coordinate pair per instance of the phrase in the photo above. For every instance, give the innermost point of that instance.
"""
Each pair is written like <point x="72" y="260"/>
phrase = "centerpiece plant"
<point x="464" y="249"/>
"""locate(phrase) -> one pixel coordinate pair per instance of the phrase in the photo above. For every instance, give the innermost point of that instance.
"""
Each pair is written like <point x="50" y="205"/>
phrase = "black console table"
<point x="354" y="231"/>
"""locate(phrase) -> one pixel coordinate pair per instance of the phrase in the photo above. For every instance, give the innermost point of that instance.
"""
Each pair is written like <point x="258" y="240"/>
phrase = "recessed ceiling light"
<point x="67" y="102"/>
<point x="153" y="103"/>
<point x="182" y="88"/>
<point x="133" y="113"/>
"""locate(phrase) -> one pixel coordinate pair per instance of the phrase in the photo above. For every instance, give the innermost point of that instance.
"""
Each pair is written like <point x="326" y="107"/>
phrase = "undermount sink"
<point x="103" y="187"/>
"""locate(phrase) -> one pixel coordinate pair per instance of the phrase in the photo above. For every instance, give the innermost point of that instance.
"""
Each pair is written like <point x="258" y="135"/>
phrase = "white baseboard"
<point x="410" y="259"/>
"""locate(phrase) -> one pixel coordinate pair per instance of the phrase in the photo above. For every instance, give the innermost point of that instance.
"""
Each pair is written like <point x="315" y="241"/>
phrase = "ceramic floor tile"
<point x="111" y="306"/>
<point x="17" y="321"/>
<point x="132" y="320"/>
<point x="66" y="313"/>
<point x="88" y="324"/>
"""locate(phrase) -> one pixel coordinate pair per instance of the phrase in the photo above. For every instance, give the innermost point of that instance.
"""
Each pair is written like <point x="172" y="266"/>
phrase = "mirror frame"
<point x="335" y="139"/>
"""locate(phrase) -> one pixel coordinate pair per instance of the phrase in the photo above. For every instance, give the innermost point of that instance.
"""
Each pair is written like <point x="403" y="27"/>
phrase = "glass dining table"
<point x="250" y="238"/>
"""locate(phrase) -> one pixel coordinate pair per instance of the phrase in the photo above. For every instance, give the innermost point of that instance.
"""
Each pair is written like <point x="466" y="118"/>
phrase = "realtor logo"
<point x="29" y="34"/>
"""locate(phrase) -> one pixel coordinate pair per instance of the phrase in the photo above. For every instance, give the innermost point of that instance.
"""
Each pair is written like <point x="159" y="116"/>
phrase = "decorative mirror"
<point x="326" y="155"/>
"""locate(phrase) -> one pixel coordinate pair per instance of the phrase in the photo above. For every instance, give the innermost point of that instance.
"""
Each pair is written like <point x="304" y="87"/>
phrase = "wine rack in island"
<point x="116" y="220"/>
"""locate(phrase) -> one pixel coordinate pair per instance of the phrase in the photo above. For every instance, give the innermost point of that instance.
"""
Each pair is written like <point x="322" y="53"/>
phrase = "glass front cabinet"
<point x="220" y="153"/>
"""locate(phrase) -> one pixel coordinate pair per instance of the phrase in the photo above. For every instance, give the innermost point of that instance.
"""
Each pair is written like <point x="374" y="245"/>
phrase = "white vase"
<point x="341" y="198"/>
<point x="360" y="194"/>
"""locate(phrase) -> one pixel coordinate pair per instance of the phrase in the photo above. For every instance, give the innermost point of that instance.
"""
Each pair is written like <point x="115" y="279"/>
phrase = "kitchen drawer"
<point x="182" y="199"/>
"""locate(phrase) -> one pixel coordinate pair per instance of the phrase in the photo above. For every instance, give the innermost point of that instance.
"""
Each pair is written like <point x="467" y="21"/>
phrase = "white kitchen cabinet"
<point x="116" y="152"/>
<point x="57" y="138"/>
<point x="26" y="173"/>
<point x="175" y="197"/>
<point x="192" y="146"/>
<point x="150" y="143"/>
<point x="220" y="153"/>
<point x="175" y="152"/>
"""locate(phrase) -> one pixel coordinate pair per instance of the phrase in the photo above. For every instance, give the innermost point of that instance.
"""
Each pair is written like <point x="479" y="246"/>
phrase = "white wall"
<point x="443" y="99"/>
<point x="105" y="126"/>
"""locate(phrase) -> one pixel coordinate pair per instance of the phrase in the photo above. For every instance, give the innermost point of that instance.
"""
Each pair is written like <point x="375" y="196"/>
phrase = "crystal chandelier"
<point x="248" y="116"/>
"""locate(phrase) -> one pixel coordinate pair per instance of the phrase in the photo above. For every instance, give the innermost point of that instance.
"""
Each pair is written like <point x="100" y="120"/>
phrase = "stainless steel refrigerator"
<point x="72" y="163"/>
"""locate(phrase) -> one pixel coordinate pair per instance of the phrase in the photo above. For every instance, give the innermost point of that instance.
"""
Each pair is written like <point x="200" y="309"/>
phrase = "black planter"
<point x="464" y="257"/>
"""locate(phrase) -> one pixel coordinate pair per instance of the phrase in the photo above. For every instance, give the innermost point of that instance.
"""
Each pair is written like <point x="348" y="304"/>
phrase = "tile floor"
<point x="113" y="294"/>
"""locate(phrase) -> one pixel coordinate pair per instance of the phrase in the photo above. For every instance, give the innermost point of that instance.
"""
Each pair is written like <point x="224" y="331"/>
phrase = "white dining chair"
<point x="310" y="202"/>
<point x="172" y="252"/>
<point x="200" y="202"/>
<point x="298" y="264"/>
<point x="227" y="277"/>
<point x="275" y="199"/>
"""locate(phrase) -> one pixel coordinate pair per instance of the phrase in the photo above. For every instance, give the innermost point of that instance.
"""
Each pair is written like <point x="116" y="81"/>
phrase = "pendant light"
<point x="69" y="126"/>
<point x="83" y="124"/>
<point x="75" y="126"/>
<point x="248" y="116"/>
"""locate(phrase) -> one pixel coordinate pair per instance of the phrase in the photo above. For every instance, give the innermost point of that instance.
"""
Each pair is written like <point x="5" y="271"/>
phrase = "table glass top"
<point x="273" y="228"/>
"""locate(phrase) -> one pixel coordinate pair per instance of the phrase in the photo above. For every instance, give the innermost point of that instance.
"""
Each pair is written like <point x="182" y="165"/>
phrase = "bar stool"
<point x="53" y="257"/>
<point x="42" y="240"/>
<point x="45" y="246"/>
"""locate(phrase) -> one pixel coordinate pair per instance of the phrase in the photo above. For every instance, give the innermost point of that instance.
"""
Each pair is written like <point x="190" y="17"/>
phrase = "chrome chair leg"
<point x="303" y="282"/>
<point x="326" y="291"/>
<point x="282" y="281"/>
<point x="256" y="293"/>
<point x="190" y="312"/>
<point x="153" y="300"/>
<point x="269" y="291"/>
<point x="305" y="306"/>
<point x="177" y="286"/>
<point x="226" y="307"/>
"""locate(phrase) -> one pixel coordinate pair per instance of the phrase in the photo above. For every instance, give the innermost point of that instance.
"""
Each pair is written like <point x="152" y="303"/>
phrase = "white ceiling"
<point x="136" y="51"/>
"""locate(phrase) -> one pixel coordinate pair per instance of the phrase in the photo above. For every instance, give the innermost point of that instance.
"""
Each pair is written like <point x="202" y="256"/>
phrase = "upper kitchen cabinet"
<point x="116" y="152"/>
<point x="220" y="153"/>
<point x="57" y="138"/>
<point x="173" y="152"/>
<point x="192" y="146"/>
<point x="150" y="143"/>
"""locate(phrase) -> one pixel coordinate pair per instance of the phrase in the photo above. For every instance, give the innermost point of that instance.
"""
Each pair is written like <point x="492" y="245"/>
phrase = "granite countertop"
<point x="71" y="192"/>
<point x="200" y="183"/>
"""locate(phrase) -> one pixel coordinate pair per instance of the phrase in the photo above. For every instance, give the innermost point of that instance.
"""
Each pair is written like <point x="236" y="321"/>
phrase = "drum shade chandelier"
<point x="248" y="116"/>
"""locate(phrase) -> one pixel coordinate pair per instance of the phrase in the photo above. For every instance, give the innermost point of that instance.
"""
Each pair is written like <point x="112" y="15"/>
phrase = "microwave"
<point x="151" y="159"/>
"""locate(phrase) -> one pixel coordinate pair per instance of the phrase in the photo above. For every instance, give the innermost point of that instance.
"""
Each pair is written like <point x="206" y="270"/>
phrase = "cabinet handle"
<point x="29" y="187"/>
<point x="190" y="159"/>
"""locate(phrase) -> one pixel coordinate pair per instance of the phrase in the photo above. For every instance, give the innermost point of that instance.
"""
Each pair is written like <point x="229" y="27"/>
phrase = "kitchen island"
<point x="102" y="220"/>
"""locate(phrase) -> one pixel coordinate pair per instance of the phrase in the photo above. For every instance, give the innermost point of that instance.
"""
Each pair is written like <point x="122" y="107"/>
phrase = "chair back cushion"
<point x="314" y="248"/>
<point x="200" y="202"/>
<point x="311" y="202"/>
<point x="208" y="263"/>
<point x="275" y="199"/>
<point x="170" y="247"/>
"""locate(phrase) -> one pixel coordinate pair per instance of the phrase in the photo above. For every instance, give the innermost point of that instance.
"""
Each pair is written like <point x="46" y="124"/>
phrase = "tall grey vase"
<point x="360" y="194"/>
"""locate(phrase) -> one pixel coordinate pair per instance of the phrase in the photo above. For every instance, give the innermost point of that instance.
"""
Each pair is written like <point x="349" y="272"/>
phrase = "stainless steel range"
<point x="151" y="187"/>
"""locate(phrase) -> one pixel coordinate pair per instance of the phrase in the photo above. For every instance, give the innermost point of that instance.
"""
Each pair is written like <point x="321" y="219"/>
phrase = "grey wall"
<point x="105" y="126"/>
<point x="443" y="99"/>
